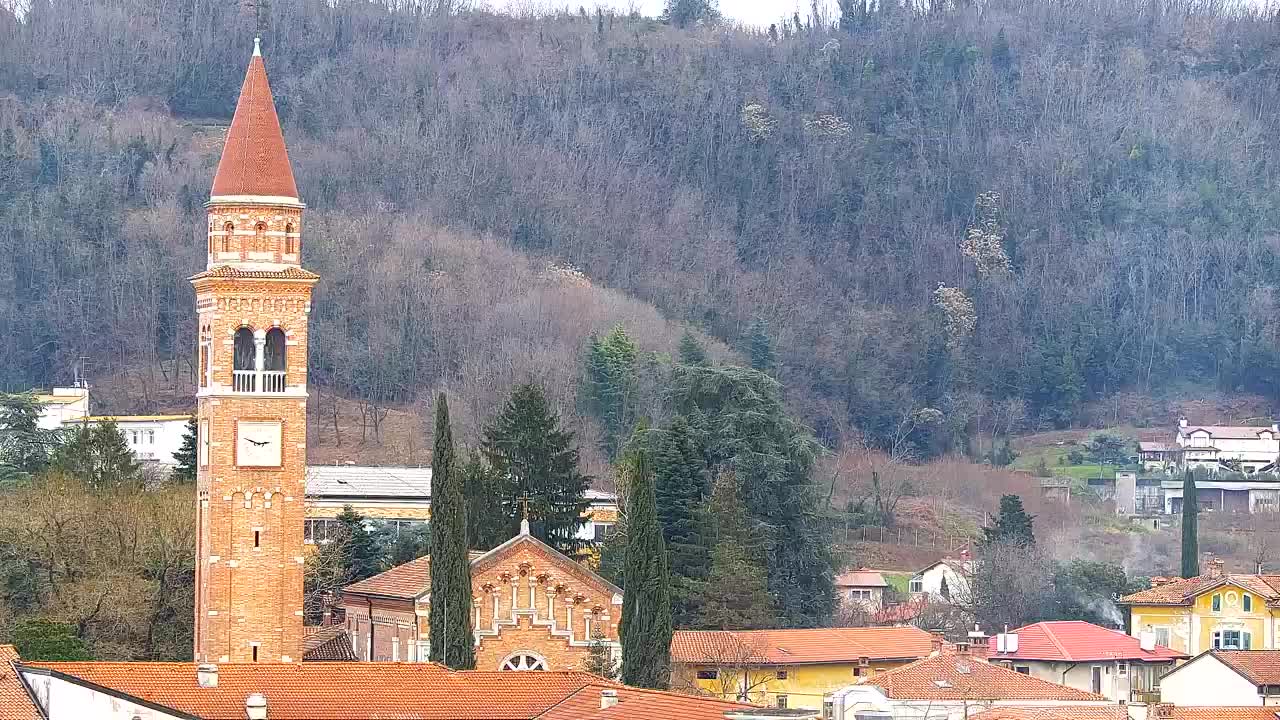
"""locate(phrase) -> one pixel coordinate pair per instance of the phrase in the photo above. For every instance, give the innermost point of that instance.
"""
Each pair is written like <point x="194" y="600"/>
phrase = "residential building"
<point x="61" y="405"/>
<point x="951" y="686"/>
<point x="789" y="668"/>
<point x="1243" y="449"/>
<point x="1224" y="492"/>
<point x="1225" y="677"/>
<point x="535" y="609"/>
<point x="1160" y="457"/>
<point x="1165" y="711"/>
<point x="946" y="580"/>
<point x="153" y="439"/>
<point x="1212" y="611"/>
<point x="350" y="691"/>
<point x="1088" y="657"/>
<point x="1081" y="712"/>
<point x="861" y="590"/>
<point x="399" y="498"/>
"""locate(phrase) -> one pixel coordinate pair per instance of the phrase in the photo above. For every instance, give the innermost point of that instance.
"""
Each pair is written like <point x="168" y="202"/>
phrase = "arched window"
<point x="260" y="239"/>
<point x="290" y="242"/>
<point x="273" y="361"/>
<point x="243" y="361"/>
<point x="228" y="231"/>
<point x="523" y="660"/>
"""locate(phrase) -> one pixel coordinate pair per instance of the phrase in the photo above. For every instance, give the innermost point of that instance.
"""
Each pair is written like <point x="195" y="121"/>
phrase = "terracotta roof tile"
<point x="15" y="703"/>
<point x="231" y="271"/>
<point x="1261" y="667"/>
<point x="408" y="581"/>
<point x="254" y="159"/>
<point x="860" y="578"/>
<point x="1060" y="712"/>
<point x="1226" y="713"/>
<point x="795" y="647"/>
<point x="637" y="704"/>
<point x="1183" y="591"/>
<point x="959" y="677"/>
<point x="1079" y="641"/>
<point x="329" y="643"/>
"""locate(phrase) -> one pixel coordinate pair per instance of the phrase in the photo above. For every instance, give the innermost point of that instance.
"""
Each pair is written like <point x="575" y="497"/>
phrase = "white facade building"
<point x="1225" y="677"/>
<point x="1235" y="448"/>
<point x="151" y="438"/>
<point x="946" y="580"/>
<point x="61" y="405"/>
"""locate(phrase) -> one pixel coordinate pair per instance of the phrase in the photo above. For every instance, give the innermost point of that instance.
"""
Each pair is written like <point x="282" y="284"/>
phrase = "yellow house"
<point x="789" y="668"/>
<point x="1211" y="611"/>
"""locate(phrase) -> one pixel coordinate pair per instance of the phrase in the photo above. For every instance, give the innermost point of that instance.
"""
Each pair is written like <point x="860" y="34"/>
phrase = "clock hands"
<point x="258" y="444"/>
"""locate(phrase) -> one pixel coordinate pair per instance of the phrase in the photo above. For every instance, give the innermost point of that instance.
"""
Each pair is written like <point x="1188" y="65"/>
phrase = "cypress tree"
<point x="1190" y="536"/>
<point x="681" y="490"/>
<point x="451" y="633"/>
<point x="645" y="628"/>
<point x="529" y="454"/>
<point x="185" y="470"/>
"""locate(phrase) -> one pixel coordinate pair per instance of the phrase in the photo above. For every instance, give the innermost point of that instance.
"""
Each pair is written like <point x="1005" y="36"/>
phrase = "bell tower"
<point x="252" y="302"/>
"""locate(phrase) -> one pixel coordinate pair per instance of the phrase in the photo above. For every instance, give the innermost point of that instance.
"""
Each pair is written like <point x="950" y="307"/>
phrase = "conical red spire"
<point x="254" y="160"/>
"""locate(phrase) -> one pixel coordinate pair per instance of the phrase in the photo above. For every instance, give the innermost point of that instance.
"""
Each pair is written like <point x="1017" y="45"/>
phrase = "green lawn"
<point x="1053" y="457"/>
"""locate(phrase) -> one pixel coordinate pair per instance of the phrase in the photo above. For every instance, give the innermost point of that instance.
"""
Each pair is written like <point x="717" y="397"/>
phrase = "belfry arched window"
<point x="290" y="242"/>
<point x="228" y="232"/>
<point x="244" y="361"/>
<point x="273" y="361"/>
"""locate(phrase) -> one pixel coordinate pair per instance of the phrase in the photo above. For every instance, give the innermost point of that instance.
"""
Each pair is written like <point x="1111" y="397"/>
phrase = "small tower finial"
<point x="524" y="514"/>
<point x="257" y="47"/>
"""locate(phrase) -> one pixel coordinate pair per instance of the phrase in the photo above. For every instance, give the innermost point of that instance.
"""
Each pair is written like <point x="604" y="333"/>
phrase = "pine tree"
<point x="24" y="445"/>
<point x="489" y="523"/>
<point x="610" y="385"/>
<point x="359" y="549"/>
<point x="1001" y="57"/>
<point x="760" y="348"/>
<point x="530" y="455"/>
<point x="1190" y="535"/>
<point x="1013" y="524"/>
<point x="645" y="628"/>
<point x="98" y="455"/>
<point x="736" y="593"/>
<point x="451" y="634"/>
<point x="690" y="351"/>
<point x="185" y="470"/>
<point x="682" y="490"/>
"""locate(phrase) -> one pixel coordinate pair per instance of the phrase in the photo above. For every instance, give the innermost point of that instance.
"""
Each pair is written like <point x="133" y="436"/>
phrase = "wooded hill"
<point x="951" y="218"/>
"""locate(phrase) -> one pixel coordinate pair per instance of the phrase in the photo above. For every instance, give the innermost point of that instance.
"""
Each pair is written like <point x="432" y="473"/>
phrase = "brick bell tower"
<point x="252" y="302"/>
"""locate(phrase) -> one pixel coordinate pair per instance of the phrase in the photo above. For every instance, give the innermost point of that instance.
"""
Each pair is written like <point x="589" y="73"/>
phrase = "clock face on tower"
<point x="258" y="443"/>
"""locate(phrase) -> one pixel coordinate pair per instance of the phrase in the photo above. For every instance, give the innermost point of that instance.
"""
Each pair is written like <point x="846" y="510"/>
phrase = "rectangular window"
<point x="857" y="672"/>
<point x="257" y="538"/>
<point x="917" y="585"/>
<point x="1217" y="603"/>
<point x="860" y="596"/>
<point x="1122" y="669"/>
<point x="782" y="675"/>
<point x="782" y="701"/>
<point x="1024" y="669"/>
<point x="601" y="531"/>
<point x="1231" y="640"/>
<point x="255" y="653"/>
<point x="1162" y="636"/>
<point x="204" y="443"/>
<point x="708" y="674"/>
<point x="1247" y="601"/>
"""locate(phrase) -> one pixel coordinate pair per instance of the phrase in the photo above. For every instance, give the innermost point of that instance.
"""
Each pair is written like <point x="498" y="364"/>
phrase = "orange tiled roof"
<point x="15" y="704"/>
<point x="353" y="691"/>
<point x="1079" y="641"/>
<point x="1184" y="591"/>
<point x="230" y="271"/>
<point x="254" y="159"/>
<point x="796" y="647"/>
<point x="1261" y="667"/>
<point x="402" y="581"/>
<point x="1225" y="713"/>
<point x="960" y="677"/>
<point x="327" y="643"/>
<point x="863" y="577"/>
<point x="1060" y="712"/>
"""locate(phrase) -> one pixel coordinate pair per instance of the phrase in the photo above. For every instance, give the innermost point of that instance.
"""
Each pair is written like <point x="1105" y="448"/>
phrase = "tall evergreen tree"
<point x="690" y="351"/>
<point x="98" y="455"/>
<point x="488" y="519"/>
<point x="451" y="633"/>
<point x="531" y="456"/>
<point x="736" y="593"/>
<point x="1013" y="525"/>
<point x="1190" y="530"/>
<point x="185" y="457"/>
<point x="24" y="446"/>
<point x="682" y="489"/>
<point x="760" y="348"/>
<point x="360" y="556"/>
<point x="610" y="386"/>
<point x="738" y="413"/>
<point x="645" y="627"/>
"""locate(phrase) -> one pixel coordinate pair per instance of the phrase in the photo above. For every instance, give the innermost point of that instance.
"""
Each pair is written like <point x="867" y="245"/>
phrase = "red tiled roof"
<point x="329" y="643"/>
<point x="1236" y="432"/>
<point x="402" y="581"/>
<point x="231" y="271"/>
<point x="1225" y="713"/>
<point x="1184" y="591"/>
<point x="797" y="647"/>
<point x="254" y="159"/>
<point x="860" y="578"/>
<point x="960" y="677"/>
<point x="15" y="703"/>
<point x="637" y="704"/>
<point x="1079" y="641"/>
<point x="1261" y="667"/>
<point x="354" y="691"/>
<point x="1059" y="712"/>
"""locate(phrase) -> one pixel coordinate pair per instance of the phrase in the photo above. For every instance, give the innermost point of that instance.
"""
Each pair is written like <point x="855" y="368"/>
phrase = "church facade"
<point x="252" y="303"/>
<point x="533" y="609"/>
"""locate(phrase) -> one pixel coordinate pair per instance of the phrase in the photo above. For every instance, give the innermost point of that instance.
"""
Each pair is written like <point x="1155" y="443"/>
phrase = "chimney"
<point x="1147" y="641"/>
<point x="936" y="643"/>
<point x="1215" y="567"/>
<point x="608" y="698"/>
<point x="1182" y="422"/>
<point x="1162" y="711"/>
<point x="978" y="644"/>
<point x="207" y="675"/>
<point x="255" y="706"/>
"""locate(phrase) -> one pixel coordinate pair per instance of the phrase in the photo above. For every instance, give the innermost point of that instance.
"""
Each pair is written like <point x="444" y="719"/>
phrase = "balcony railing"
<point x="252" y="381"/>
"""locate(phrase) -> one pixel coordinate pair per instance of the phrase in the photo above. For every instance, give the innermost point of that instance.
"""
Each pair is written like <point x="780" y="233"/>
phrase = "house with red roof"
<point x="1225" y="677"/>
<point x="957" y="686"/>
<point x="1087" y="657"/>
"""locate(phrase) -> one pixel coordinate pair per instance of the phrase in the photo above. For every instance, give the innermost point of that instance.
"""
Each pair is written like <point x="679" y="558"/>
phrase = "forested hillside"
<point x="946" y="221"/>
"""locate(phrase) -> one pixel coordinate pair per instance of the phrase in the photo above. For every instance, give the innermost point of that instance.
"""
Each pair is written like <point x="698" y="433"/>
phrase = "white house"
<point x="61" y="405"/>
<point x="946" y="580"/>
<point x="861" y="589"/>
<point x="152" y="438"/>
<point x="1238" y="448"/>
<point x="1225" y="677"/>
